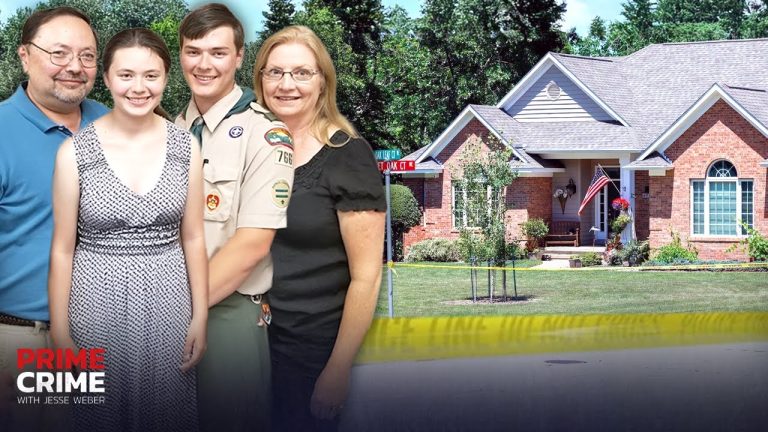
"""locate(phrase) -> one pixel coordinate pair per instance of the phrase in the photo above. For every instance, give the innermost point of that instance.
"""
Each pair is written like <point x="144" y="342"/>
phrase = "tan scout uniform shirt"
<point x="248" y="171"/>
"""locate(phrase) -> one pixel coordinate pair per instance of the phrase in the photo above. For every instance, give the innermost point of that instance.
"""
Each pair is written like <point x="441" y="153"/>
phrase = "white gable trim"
<point x="688" y="118"/>
<point x="459" y="123"/>
<point x="764" y="163"/>
<point x="540" y="69"/>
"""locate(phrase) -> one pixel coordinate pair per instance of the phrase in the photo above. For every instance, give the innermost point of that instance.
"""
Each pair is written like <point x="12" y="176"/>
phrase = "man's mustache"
<point x="82" y="77"/>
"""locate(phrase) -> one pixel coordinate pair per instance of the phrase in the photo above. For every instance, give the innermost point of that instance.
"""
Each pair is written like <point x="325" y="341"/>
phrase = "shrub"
<point x="403" y="207"/>
<point x="675" y="252"/>
<point x="534" y="229"/>
<point x="405" y="214"/>
<point x="590" y="259"/>
<point x="634" y="252"/>
<point x="756" y="244"/>
<point x="514" y="251"/>
<point x="439" y="249"/>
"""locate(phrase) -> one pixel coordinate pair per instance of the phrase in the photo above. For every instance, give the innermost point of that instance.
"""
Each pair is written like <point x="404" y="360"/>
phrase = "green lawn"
<point x="425" y="291"/>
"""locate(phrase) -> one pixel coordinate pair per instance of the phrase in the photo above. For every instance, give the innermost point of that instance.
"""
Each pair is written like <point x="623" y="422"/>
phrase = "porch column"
<point x="627" y="192"/>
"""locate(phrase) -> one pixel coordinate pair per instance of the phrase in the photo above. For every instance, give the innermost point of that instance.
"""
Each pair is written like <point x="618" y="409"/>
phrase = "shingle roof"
<point x="753" y="100"/>
<point x="559" y="136"/>
<point x="654" y="160"/>
<point x="652" y="87"/>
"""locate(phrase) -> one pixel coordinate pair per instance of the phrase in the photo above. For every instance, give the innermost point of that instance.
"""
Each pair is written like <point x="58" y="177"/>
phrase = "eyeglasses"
<point x="63" y="57"/>
<point x="299" y="75"/>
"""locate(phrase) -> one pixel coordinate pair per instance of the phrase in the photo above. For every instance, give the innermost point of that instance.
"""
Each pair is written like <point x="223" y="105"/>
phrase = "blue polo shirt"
<point x="28" y="144"/>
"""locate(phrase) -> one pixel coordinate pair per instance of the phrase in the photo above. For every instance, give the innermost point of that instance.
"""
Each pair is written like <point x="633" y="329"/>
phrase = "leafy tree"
<point x="108" y="17"/>
<point x="405" y="77"/>
<point x="279" y="15"/>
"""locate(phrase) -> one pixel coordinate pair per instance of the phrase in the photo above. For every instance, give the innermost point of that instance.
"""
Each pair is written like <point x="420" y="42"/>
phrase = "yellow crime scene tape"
<point x="757" y="265"/>
<point x="409" y="339"/>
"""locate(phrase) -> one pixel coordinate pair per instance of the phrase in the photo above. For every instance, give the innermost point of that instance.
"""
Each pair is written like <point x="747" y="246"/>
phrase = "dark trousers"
<point x="292" y="388"/>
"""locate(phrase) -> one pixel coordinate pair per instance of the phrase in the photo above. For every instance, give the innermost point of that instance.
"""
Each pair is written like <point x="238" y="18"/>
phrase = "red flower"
<point x="620" y="204"/>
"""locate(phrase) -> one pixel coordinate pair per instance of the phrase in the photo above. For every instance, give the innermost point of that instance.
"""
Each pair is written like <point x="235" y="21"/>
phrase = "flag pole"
<point x="609" y="178"/>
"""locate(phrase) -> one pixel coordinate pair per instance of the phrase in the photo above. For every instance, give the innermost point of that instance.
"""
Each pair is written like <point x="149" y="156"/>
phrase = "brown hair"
<point x="138" y="37"/>
<point x="327" y="116"/>
<point x="41" y="17"/>
<point x="202" y="20"/>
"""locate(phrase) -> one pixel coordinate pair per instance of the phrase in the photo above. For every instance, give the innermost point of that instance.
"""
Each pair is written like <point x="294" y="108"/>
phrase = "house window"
<point x="469" y="205"/>
<point x="721" y="201"/>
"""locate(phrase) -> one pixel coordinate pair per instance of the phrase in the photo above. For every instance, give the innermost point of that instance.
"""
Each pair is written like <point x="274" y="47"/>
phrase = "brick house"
<point x="682" y="129"/>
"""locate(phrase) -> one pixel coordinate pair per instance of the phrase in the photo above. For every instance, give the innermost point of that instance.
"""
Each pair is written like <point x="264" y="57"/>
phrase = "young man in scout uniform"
<point x="59" y="56"/>
<point x="247" y="157"/>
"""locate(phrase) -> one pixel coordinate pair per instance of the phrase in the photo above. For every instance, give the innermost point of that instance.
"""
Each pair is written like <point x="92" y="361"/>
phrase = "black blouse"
<point x="311" y="272"/>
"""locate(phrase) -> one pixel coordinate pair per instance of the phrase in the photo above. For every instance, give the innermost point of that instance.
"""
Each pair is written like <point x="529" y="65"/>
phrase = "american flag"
<point x="599" y="180"/>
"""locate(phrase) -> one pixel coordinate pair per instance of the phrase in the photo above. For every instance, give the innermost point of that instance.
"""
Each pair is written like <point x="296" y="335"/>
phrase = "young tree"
<point x="483" y="176"/>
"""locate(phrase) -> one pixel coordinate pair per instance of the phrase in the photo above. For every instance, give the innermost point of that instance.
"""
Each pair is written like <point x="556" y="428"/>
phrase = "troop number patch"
<point x="284" y="157"/>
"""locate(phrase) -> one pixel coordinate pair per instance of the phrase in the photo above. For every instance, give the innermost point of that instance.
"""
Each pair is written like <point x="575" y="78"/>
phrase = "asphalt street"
<point x="696" y="388"/>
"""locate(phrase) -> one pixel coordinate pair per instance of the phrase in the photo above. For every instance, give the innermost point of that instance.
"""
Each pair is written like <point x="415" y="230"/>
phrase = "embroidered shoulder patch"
<point x="279" y="137"/>
<point x="281" y="192"/>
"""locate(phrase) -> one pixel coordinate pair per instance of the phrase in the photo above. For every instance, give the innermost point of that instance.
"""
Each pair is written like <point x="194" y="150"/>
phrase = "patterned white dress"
<point x="130" y="293"/>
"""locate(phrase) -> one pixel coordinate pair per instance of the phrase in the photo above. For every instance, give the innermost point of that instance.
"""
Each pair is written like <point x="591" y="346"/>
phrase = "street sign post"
<point x="388" y="163"/>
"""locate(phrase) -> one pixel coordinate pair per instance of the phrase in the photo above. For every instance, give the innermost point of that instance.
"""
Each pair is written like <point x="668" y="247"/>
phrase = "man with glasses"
<point x="58" y="54"/>
<point x="248" y="170"/>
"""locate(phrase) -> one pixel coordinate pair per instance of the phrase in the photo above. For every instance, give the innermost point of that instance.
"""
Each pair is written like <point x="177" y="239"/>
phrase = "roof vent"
<point x="553" y="91"/>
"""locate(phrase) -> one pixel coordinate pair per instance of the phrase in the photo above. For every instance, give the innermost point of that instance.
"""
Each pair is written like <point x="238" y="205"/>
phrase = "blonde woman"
<point x="328" y="259"/>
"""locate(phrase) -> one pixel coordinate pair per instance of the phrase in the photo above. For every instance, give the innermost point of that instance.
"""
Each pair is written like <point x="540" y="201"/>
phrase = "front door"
<point x="604" y="214"/>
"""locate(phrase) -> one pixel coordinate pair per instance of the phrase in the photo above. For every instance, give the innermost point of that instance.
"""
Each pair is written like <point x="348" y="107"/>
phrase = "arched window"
<point x="722" y="168"/>
<point x="721" y="201"/>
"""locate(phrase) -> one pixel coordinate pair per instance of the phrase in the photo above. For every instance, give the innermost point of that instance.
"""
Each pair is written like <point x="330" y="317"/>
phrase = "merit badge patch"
<point x="279" y="137"/>
<point x="236" y="131"/>
<point x="284" y="157"/>
<point x="212" y="201"/>
<point x="281" y="191"/>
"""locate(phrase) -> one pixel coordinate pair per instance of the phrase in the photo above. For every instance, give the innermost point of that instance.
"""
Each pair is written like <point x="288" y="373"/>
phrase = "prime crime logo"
<point x="58" y="373"/>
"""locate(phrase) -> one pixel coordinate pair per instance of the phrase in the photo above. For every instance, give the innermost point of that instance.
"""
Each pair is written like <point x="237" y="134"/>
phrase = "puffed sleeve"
<point x="356" y="183"/>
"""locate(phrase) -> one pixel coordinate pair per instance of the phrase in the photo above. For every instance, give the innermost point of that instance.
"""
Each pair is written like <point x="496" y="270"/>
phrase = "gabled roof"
<point x="456" y="126"/>
<point x="654" y="86"/>
<point x="652" y="94"/>
<point x="695" y="111"/>
<point x="555" y="60"/>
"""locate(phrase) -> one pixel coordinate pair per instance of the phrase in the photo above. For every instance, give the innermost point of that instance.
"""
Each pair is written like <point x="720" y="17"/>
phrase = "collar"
<point x="216" y="113"/>
<point x="31" y="112"/>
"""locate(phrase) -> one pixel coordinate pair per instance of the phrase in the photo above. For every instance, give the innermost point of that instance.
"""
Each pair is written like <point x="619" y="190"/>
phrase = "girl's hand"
<point x="195" y="344"/>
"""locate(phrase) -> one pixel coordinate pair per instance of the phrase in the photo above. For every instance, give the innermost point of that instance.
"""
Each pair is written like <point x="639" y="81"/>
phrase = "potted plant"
<point x="574" y="261"/>
<point x="534" y="230"/>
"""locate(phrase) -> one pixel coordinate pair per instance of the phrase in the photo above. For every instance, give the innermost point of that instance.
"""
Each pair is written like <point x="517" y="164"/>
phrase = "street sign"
<point x="397" y="165"/>
<point x="388" y="154"/>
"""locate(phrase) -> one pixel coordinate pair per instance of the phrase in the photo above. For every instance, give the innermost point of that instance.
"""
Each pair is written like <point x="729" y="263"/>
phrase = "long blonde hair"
<point x="327" y="117"/>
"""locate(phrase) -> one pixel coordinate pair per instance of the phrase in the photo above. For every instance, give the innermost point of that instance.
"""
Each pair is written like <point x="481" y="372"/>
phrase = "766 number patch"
<point x="284" y="157"/>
